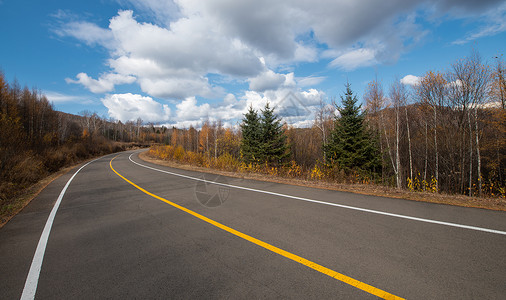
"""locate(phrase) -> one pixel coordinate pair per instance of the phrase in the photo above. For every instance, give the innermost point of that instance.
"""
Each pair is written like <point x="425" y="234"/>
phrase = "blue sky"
<point x="186" y="61"/>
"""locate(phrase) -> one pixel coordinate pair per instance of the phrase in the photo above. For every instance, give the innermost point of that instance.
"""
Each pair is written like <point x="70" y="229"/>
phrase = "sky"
<point x="183" y="62"/>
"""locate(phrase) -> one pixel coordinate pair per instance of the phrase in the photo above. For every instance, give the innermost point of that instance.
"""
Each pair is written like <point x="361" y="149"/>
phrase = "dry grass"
<point x="366" y="189"/>
<point x="24" y="198"/>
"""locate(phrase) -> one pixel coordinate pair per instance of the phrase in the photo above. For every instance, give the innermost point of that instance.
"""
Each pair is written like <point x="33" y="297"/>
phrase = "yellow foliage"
<point x="86" y="134"/>
<point x="316" y="173"/>
<point x="294" y="170"/>
<point x="179" y="153"/>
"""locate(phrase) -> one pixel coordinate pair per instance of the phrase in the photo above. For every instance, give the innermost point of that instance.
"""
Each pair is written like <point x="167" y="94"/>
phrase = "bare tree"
<point x="498" y="86"/>
<point x="432" y="91"/>
<point x="398" y="96"/>
<point x="323" y="120"/>
<point x="375" y="104"/>
<point x="469" y="88"/>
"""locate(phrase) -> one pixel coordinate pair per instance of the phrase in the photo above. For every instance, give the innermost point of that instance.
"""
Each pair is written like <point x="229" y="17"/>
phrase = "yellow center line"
<point x="336" y="275"/>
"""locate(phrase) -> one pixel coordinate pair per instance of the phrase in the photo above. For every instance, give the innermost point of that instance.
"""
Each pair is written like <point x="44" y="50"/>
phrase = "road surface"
<point x="126" y="228"/>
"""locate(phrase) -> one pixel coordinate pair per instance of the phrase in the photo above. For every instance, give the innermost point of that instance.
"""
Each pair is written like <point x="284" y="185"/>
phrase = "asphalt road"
<point x="111" y="240"/>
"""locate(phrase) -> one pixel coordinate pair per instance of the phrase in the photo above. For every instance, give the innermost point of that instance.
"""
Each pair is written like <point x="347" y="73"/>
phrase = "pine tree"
<point x="251" y="137"/>
<point x="274" y="148"/>
<point x="352" y="146"/>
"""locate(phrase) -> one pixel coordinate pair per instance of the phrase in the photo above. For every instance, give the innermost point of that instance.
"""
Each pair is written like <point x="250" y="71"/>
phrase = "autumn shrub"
<point x="179" y="153"/>
<point x="227" y="162"/>
<point x="56" y="159"/>
<point x="494" y="189"/>
<point x="79" y="150"/>
<point x="294" y="170"/>
<point x="316" y="173"/>
<point x="194" y="158"/>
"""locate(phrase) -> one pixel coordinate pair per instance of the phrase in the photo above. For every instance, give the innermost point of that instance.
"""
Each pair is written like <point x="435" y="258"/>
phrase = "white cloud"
<point x="354" y="59"/>
<point x="410" y="80"/>
<point x="312" y="97"/>
<point x="191" y="39"/>
<point x="267" y="81"/>
<point x="494" y="23"/>
<point x="89" y="33"/>
<point x="294" y="106"/>
<point x="56" y="97"/>
<point x="190" y="112"/>
<point x="129" y="106"/>
<point x="173" y="63"/>
<point x="310" y="80"/>
<point x="229" y="99"/>
<point x="104" y="84"/>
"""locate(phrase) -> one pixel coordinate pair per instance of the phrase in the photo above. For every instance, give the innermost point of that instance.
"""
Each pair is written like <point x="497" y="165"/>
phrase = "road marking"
<point x="328" y="203"/>
<point x="33" y="275"/>
<point x="341" y="277"/>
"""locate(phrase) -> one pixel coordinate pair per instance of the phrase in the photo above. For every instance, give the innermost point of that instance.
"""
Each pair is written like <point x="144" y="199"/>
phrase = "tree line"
<point x="447" y="133"/>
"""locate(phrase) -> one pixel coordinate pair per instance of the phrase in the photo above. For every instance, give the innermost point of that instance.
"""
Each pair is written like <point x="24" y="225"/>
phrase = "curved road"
<point x="130" y="229"/>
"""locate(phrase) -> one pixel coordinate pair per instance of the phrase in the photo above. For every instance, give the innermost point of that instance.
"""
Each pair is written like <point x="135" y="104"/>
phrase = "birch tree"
<point x="432" y="92"/>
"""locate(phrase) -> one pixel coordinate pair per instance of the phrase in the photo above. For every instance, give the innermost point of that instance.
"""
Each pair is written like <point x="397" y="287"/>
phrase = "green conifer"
<point x="251" y="137"/>
<point x="274" y="148"/>
<point x="351" y="145"/>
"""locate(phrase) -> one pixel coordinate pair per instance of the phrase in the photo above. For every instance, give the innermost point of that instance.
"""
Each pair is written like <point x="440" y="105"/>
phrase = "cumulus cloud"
<point x="410" y="80"/>
<point x="295" y="106"/>
<point x="174" y="62"/>
<point x="267" y="81"/>
<point x="129" y="106"/>
<point x="228" y="38"/>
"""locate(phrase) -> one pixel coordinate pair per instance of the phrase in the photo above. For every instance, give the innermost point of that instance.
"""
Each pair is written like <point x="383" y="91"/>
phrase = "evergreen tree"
<point x="351" y="145"/>
<point x="251" y="137"/>
<point x="274" y="148"/>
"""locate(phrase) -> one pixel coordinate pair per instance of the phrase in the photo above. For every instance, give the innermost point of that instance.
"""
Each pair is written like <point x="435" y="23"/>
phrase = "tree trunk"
<point x="435" y="146"/>
<point x="470" y="154"/>
<point x="409" y="147"/>
<point x="389" y="149"/>
<point x="215" y="142"/>
<point x="477" y="148"/>
<point x="426" y="155"/>
<point x="463" y="160"/>
<point x="397" y="158"/>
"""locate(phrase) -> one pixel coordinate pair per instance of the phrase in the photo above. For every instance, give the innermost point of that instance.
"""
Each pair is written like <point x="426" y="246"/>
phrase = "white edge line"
<point x="33" y="275"/>
<point x="328" y="203"/>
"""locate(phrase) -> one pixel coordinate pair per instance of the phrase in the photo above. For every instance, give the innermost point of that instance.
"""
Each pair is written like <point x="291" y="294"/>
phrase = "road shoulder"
<point x="497" y="204"/>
